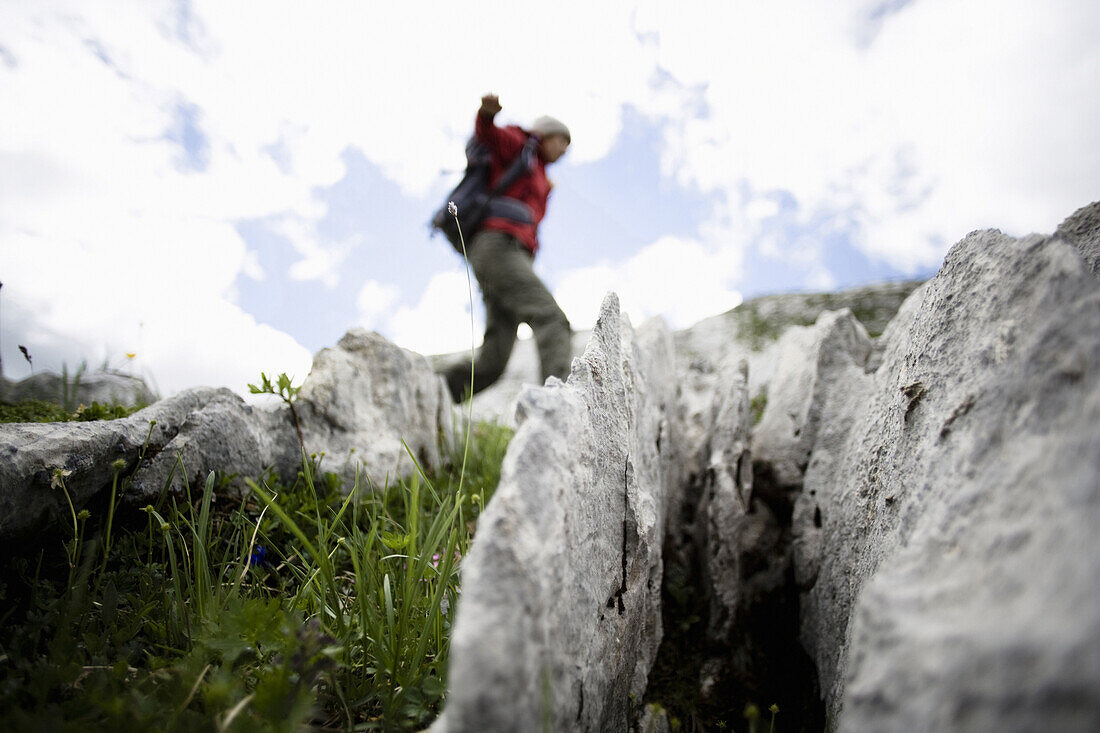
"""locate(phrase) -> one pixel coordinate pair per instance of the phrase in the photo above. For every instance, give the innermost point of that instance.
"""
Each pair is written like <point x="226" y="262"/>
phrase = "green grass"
<point x="42" y="411"/>
<point x="304" y="605"/>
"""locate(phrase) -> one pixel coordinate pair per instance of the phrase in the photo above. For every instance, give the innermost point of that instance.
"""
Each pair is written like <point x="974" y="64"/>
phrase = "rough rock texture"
<point x="751" y="330"/>
<point x="366" y="396"/>
<point x="737" y="565"/>
<point x="812" y="362"/>
<point x="360" y="400"/>
<point x="206" y="428"/>
<point x="560" y="618"/>
<point x="947" y="544"/>
<point x="103" y="387"/>
<point x="1082" y="230"/>
<point x="728" y="527"/>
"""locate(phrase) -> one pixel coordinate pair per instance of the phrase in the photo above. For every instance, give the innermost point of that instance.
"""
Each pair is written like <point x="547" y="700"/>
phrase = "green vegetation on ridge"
<point x="310" y="604"/>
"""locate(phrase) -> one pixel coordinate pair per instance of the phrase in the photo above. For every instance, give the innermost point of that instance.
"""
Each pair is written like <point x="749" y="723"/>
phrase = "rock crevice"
<point x="560" y="613"/>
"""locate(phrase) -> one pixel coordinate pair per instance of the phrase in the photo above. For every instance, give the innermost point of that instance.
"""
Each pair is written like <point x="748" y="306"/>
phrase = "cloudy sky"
<point x="218" y="188"/>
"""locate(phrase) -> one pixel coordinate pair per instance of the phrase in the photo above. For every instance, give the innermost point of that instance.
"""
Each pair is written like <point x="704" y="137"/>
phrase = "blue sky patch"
<point x="185" y="131"/>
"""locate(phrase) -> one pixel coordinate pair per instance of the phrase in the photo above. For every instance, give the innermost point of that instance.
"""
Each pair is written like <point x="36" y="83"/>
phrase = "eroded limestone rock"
<point x="731" y="529"/>
<point x="560" y="613"/>
<point x="364" y="398"/>
<point x="812" y="362"/>
<point x="359" y="402"/>
<point x="1082" y="230"/>
<point x="200" y="429"/>
<point x="947" y="522"/>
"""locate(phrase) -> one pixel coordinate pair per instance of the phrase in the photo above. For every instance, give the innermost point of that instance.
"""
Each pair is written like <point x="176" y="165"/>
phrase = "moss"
<point x="34" y="411"/>
<point x="763" y="320"/>
<point x="42" y="411"/>
<point x="757" y="405"/>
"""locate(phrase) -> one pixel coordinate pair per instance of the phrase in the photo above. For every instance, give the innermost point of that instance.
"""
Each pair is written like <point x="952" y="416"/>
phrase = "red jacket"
<point x="533" y="189"/>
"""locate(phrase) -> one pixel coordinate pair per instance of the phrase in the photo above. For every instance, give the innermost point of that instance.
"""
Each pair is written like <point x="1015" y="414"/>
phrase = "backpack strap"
<point x="522" y="165"/>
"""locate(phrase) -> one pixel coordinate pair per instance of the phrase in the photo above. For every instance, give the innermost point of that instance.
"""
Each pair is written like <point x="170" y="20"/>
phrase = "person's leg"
<point x="492" y="357"/>
<point x="509" y="282"/>
<point x="500" y="327"/>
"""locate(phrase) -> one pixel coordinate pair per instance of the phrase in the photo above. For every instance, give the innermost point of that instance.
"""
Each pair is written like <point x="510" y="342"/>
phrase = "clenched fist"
<point x="490" y="105"/>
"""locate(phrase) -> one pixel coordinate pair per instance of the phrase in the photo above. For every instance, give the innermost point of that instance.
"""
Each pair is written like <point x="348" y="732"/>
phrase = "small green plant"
<point x="757" y="404"/>
<point x="75" y="544"/>
<point x="69" y="385"/>
<point x="453" y="210"/>
<point x="299" y="604"/>
<point x="752" y="715"/>
<point x="284" y="389"/>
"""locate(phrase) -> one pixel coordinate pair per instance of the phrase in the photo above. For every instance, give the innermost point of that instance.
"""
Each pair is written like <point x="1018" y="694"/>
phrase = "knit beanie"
<point x="547" y="125"/>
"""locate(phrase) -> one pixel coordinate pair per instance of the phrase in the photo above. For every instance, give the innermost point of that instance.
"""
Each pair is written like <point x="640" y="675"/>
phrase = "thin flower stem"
<point x="473" y="335"/>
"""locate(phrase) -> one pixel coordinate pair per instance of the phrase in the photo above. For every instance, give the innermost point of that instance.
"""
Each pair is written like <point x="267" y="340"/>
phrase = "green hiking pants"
<point x="513" y="294"/>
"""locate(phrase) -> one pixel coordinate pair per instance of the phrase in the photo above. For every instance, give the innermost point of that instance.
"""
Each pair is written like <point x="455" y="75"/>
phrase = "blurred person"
<point x="502" y="251"/>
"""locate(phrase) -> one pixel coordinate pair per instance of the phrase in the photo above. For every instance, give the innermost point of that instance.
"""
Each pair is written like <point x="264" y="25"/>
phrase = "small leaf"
<point x="395" y="541"/>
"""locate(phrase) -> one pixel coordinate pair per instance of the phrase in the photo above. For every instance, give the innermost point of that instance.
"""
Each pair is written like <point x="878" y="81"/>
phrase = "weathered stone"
<point x="207" y="428"/>
<point x="365" y="400"/>
<point x="106" y="388"/>
<point x="560" y="613"/>
<point x="947" y="519"/>
<point x="1082" y="230"/>
<point x="751" y="331"/>
<point x="731" y="529"/>
<point x="810" y="362"/>
<point x="740" y="547"/>
<point x="220" y="434"/>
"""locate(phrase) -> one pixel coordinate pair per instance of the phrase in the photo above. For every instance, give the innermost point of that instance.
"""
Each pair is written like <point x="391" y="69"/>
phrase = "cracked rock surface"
<point x="560" y="614"/>
<point x="946" y="543"/>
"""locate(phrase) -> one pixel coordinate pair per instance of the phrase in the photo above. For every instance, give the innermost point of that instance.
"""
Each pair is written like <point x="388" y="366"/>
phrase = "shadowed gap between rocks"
<point x="709" y="669"/>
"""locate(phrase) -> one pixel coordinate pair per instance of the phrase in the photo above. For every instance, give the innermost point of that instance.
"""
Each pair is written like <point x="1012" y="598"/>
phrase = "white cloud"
<point x="318" y="261"/>
<point x="440" y="322"/>
<point x="912" y="128"/>
<point x="953" y="116"/>
<point x="375" y="301"/>
<point x="679" y="279"/>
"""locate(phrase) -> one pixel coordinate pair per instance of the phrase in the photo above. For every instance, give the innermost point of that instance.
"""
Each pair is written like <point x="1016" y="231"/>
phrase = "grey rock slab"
<point x="945" y="533"/>
<point x="220" y="434"/>
<point x="204" y="428"/>
<point x="732" y="532"/>
<point x="810" y="361"/>
<point x="103" y="387"/>
<point x="365" y="400"/>
<point x="754" y="332"/>
<point x="559" y="619"/>
<point x="1082" y="230"/>
<point x="704" y="348"/>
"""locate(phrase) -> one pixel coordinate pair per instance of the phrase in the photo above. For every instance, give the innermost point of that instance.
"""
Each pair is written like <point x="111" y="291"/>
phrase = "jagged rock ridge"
<point x="932" y="493"/>
<point x="360" y="401"/>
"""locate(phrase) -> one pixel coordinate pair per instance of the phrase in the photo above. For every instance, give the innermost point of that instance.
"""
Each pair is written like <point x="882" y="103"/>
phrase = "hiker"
<point x="503" y="249"/>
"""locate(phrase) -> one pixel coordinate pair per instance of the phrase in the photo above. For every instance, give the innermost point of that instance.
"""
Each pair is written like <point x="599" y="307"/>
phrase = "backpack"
<point x="476" y="202"/>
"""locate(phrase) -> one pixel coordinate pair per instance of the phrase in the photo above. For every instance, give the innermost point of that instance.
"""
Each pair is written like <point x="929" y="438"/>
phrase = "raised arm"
<point x="505" y="144"/>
